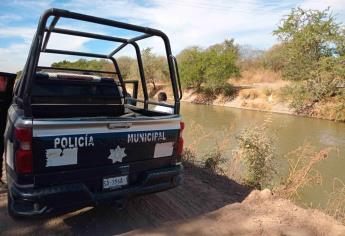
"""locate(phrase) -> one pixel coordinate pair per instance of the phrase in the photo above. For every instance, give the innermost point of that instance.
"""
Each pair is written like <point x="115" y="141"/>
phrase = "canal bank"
<point x="209" y="125"/>
<point x="262" y="97"/>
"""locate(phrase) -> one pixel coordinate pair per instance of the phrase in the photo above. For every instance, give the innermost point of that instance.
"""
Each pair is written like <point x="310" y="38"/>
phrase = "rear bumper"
<point x="33" y="202"/>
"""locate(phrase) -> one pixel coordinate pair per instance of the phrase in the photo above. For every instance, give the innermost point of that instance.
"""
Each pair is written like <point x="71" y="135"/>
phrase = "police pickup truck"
<point x="77" y="138"/>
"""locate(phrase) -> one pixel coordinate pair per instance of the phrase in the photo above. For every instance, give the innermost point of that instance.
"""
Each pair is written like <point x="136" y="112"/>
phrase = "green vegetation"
<point x="256" y="152"/>
<point x="85" y="64"/>
<point x="208" y="70"/>
<point x="311" y="52"/>
<point x="155" y="67"/>
<point x="307" y="37"/>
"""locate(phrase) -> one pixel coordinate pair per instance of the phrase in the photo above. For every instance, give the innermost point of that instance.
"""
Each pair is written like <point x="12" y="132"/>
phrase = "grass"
<point x="249" y="94"/>
<point x="336" y="202"/>
<point x="258" y="75"/>
<point x="302" y="171"/>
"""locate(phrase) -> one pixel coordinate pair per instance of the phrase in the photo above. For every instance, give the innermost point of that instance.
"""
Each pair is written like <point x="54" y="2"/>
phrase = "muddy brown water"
<point x="216" y="123"/>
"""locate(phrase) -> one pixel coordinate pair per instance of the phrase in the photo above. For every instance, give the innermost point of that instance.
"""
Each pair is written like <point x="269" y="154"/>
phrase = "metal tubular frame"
<point x="117" y="49"/>
<point x="52" y="25"/>
<point x="41" y="38"/>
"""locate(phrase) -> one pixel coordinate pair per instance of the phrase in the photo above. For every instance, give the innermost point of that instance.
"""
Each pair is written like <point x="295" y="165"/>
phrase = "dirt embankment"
<point x="257" y="89"/>
<point x="206" y="204"/>
<point x="258" y="97"/>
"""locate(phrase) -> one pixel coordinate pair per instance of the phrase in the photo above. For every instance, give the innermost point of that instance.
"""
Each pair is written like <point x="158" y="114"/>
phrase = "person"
<point x="162" y="98"/>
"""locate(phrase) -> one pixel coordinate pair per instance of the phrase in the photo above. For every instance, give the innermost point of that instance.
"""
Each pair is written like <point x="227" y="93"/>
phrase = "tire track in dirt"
<point x="201" y="193"/>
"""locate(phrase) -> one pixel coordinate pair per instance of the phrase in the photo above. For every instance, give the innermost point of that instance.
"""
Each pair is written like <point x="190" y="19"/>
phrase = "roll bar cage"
<point x="40" y="42"/>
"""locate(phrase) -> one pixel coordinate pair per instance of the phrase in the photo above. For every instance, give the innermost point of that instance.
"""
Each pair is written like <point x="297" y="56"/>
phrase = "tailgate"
<point x="70" y="145"/>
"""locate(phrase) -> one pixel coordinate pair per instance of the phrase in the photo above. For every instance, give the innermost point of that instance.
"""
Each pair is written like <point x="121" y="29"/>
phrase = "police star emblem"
<point x="116" y="155"/>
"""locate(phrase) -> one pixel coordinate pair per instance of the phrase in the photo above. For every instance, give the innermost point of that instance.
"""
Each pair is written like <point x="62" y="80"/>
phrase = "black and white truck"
<point x="77" y="138"/>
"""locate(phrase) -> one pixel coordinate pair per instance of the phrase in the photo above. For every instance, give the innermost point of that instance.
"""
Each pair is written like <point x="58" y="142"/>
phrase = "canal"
<point x="207" y="125"/>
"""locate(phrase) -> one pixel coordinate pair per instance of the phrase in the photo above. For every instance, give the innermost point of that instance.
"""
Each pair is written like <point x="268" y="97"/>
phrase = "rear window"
<point x="72" y="91"/>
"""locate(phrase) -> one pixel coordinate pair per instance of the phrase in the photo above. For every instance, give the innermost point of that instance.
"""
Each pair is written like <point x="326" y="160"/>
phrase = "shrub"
<point x="299" y="96"/>
<point x="189" y="155"/>
<point x="302" y="172"/>
<point x="274" y="59"/>
<point x="340" y="112"/>
<point x="268" y="91"/>
<point x="215" y="161"/>
<point x="228" y="90"/>
<point x="327" y="76"/>
<point x="225" y="89"/>
<point x="257" y="154"/>
<point x="324" y="84"/>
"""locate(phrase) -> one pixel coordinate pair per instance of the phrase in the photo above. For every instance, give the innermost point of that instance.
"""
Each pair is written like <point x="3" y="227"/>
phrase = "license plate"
<point x="115" y="182"/>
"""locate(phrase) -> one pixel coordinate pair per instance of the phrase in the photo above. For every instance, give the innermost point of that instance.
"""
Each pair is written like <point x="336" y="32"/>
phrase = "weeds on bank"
<point x="306" y="101"/>
<point x="190" y="152"/>
<point x="214" y="159"/>
<point x="207" y="94"/>
<point x="336" y="202"/>
<point x="249" y="94"/>
<point x="302" y="171"/>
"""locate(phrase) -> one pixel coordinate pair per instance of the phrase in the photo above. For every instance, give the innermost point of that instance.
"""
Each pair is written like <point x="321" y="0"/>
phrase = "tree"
<point x="220" y="63"/>
<point x="275" y="58"/>
<point x="192" y="67"/>
<point x="125" y="64"/>
<point x="153" y="67"/>
<point x="210" y="67"/>
<point x="84" y="64"/>
<point x="313" y="45"/>
<point x="308" y="36"/>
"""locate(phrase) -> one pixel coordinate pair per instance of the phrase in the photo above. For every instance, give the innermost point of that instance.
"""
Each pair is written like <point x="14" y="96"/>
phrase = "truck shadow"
<point x="202" y="192"/>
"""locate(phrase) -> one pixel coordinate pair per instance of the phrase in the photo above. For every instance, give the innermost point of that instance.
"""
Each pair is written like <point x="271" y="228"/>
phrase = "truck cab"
<point x="77" y="138"/>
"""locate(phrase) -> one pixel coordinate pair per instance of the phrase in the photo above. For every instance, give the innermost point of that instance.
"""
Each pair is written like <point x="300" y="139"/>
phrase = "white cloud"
<point x="12" y="58"/>
<point x="58" y="41"/>
<point x="25" y="33"/>
<point x="186" y="22"/>
<point x="10" y="17"/>
<point x="192" y="22"/>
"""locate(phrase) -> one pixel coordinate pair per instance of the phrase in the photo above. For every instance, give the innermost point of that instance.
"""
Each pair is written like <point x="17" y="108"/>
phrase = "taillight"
<point x="23" y="156"/>
<point x="180" y="140"/>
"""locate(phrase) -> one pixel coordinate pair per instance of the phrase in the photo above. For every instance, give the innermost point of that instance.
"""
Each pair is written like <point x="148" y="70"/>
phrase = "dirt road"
<point x="204" y="204"/>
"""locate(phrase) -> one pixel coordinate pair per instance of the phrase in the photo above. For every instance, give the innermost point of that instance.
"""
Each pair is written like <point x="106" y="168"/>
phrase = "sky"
<point x="186" y="22"/>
